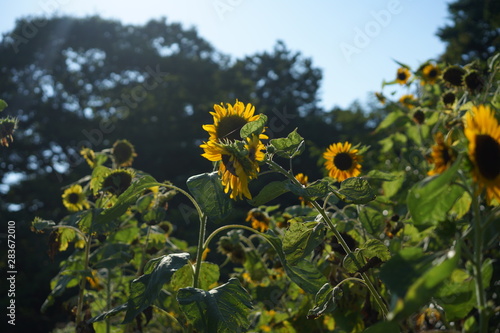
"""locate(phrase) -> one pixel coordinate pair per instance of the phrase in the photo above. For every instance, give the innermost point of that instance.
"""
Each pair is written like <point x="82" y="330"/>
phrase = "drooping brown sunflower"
<point x="259" y="219"/>
<point x="453" y="75"/>
<point x="74" y="199"/>
<point x="229" y="120"/>
<point x="442" y="155"/>
<point x="118" y="181"/>
<point x="402" y="75"/>
<point x="236" y="167"/>
<point x="430" y="74"/>
<point x="483" y="133"/>
<point x="342" y="161"/>
<point x="123" y="153"/>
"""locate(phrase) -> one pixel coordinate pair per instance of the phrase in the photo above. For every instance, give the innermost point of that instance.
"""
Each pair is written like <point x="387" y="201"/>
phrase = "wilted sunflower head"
<point x="442" y="155"/>
<point x="259" y="218"/>
<point x="448" y="98"/>
<point x="402" y="75"/>
<point x="419" y="117"/>
<point x="230" y="246"/>
<point x="74" y="199"/>
<point x="454" y="75"/>
<point x="474" y="81"/>
<point x="430" y="73"/>
<point x="123" y="153"/>
<point x="229" y="120"/>
<point x="408" y="100"/>
<point x="342" y="161"/>
<point x="483" y="133"/>
<point x="89" y="156"/>
<point x="117" y="182"/>
<point x="7" y="127"/>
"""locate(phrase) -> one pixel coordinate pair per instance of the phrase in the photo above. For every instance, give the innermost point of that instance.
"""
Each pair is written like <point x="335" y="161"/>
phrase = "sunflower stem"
<point x="81" y="292"/>
<point x="478" y="263"/>
<point x="378" y="298"/>
<point x="199" y="252"/>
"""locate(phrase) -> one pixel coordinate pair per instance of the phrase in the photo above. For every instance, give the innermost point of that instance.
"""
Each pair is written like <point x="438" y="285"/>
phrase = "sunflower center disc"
<point x="487" y="156"/>
<point x="73" y="198"/>
<point x="343" y="161"/>
<point x="229" y="127"/>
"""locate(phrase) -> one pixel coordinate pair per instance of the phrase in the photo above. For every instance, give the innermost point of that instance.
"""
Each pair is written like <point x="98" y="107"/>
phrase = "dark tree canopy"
<point x="474" y="31"/>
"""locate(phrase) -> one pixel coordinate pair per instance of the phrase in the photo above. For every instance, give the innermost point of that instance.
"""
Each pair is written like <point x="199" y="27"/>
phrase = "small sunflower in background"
<point x="442" y="155"/>
<point x="342" y="161"/>
<point x="7" y="127"/>
<point x="259" y="219"/>
<point x="123" y="153"/>
<point x="303" y="180"/>
<point x="448" y="98"/>
<point x="430" y="74"/>
<point x="74" y="199"/>
<point x="229" y="120"/>
<point x="117" y="182"/>
<point x="408" y="100"/>
<point x="403" y="75"/>
<point x="380" y="97"/>
<point x="89" y="156"/>
<point x="483" y="133"/>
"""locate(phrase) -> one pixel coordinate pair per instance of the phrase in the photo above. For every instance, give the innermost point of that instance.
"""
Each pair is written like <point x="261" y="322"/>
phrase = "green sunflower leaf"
<point x="145" y="289"/>
<point x="269" y="192"/>
<point x="208" y="191"/>
<point x="372" y="220"/>
<point x="430" y="200"/>
<point x="98" y="174"/>
<point x="301" y="239"/>
<point x="318" y="189"/>
<point x="393" y="117"/>
<point x="304" y="273"/>
<point x="326" y="301"/>
<point x="3" y="105"/>
<point x="415" y="277"/>
<point x="39" y="224"/>
<point x="183" y="278"/>
<point x="355" y="190"/>
<point x="290" y="146"/>
<point x="383" y="327"/>
<point x="255" y="127"/>
<point x="223" y="309"/>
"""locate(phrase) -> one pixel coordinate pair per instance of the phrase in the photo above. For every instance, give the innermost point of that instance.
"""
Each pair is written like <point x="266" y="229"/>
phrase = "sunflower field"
<point x="409" y="246"/>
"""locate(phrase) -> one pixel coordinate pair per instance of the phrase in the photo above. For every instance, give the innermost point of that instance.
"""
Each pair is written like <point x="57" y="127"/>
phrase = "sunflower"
<point x="237" y="166"/>
<point x="342" y="161"/>
<point x="229" y="120"/>
<point x="123" y="153"/>
<point x="402" y="75"/>
<point x="408" y="100"/>
<point x="304" y="180"/>
<point x="442" y="156"/>
<point x="260" y="220"/>
<point x="453" y="75"/>
<point x="483" y="132"/>
<point x="117" y="181"/>
<point x="89" y="156"/>
<point x="74" y="199"/>
<point x="7" y="127"/>
<point x="430" y="74"/>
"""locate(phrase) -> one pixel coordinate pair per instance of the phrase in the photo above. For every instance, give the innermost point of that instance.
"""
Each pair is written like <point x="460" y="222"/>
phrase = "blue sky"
<point x="353" y="42"/>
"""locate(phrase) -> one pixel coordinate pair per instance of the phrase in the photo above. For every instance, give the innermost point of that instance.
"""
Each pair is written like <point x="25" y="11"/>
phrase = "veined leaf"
<point x="355" y="190"/>
<point x="145" y="289"/>
<point x="269" y="192"/>
<point x="254" y="127"/>
<point x="208" y="191"/>
<point x="290" y="146"/>
<point x="301" y="239"/>
<point x="224" y="309"/>
<point x="326" y="301"/>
